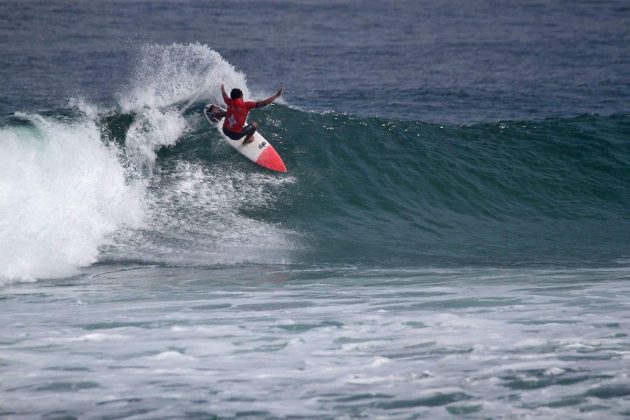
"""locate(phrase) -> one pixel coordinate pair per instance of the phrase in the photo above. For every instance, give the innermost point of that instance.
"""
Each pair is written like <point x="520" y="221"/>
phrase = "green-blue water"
<point x="406" y="193"/>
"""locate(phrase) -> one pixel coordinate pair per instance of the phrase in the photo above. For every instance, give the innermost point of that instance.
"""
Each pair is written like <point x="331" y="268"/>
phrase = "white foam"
<point x="62" y="193"/>
<point x="372" y="380"/>
<point x="173" y="356"/>
<point x="379" y="361"/>
<point x="554" y="371"/>
<point x="99" y="337"/>
<point x="197" y="220"/>
<point x="153" y="129"/>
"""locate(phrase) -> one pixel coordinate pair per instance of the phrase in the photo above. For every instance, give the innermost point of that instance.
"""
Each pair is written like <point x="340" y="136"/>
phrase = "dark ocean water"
<point x="456" y="61"/>
<point x="451" y="238"/>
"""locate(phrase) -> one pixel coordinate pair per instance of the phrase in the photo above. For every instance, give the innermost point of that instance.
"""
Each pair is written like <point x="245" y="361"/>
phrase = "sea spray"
<point x="153" y="129"/>
<point x="165" y="75"/>
<point x="164" y="80"/>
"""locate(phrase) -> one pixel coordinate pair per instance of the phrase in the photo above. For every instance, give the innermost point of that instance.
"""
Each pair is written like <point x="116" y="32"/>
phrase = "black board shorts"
<point x="247" y="130"/>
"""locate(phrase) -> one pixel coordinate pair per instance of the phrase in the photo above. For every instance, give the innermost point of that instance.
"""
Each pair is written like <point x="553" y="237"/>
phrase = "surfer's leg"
<point x="250" y="130"/>
<point x="215" y="112"/>
<point x="218" y="113"/>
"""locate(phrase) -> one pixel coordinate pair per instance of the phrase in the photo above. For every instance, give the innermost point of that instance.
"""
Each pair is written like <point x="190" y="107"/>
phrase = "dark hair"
<point x="236" y="93"/>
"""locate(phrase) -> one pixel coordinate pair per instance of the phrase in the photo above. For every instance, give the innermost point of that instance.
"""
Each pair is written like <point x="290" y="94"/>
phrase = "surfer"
<point x="234" y="125"/>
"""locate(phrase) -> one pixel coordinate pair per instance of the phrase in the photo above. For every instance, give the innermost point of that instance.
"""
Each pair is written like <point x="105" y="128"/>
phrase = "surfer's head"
<point x="236" y="93"/>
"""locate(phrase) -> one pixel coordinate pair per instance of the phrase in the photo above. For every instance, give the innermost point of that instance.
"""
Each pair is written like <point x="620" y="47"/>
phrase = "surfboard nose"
<point x="270" y="159"/>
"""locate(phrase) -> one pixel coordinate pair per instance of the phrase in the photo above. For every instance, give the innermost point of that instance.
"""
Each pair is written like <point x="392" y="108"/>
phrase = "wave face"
<point x="150" y="181"/>
<point x="550" y="191"/>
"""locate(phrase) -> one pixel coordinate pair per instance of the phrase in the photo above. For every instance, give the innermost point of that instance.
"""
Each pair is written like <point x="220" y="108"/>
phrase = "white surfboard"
<point x="259" y="151"/>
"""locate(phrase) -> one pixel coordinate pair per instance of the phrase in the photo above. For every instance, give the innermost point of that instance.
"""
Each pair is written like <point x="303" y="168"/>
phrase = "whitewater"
<point x="450" y="239"/>
<point x="77" y="191"/>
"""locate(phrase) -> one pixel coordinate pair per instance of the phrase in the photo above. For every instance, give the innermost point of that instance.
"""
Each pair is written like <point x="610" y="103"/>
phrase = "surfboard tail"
<point x="270" y="159"/>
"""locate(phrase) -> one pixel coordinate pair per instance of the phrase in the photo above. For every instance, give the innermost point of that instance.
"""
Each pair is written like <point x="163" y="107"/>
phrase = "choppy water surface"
<point x="268" y="342"/>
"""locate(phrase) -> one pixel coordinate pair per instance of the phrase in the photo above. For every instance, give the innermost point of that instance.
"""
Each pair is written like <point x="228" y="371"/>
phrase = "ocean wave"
<point x="150" y="181"/>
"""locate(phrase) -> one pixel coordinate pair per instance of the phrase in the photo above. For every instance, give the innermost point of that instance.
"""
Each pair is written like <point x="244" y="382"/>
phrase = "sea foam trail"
<point x="62" y="193"/>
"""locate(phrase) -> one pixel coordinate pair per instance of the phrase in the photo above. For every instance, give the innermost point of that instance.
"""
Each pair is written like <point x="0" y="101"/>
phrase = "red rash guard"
<point x="237" y="111"/>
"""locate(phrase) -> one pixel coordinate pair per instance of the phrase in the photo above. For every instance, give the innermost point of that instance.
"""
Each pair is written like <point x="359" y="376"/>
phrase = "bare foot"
<point x="249" y="140"/>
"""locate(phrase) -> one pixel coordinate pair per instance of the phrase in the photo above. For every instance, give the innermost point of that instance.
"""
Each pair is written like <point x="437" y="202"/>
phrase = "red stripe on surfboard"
<point x="270" y="159"/>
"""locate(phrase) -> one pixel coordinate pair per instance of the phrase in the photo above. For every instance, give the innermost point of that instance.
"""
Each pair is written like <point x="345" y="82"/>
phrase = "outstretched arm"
<point x="226" y="98"/>
<point x="269" y="99"/>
